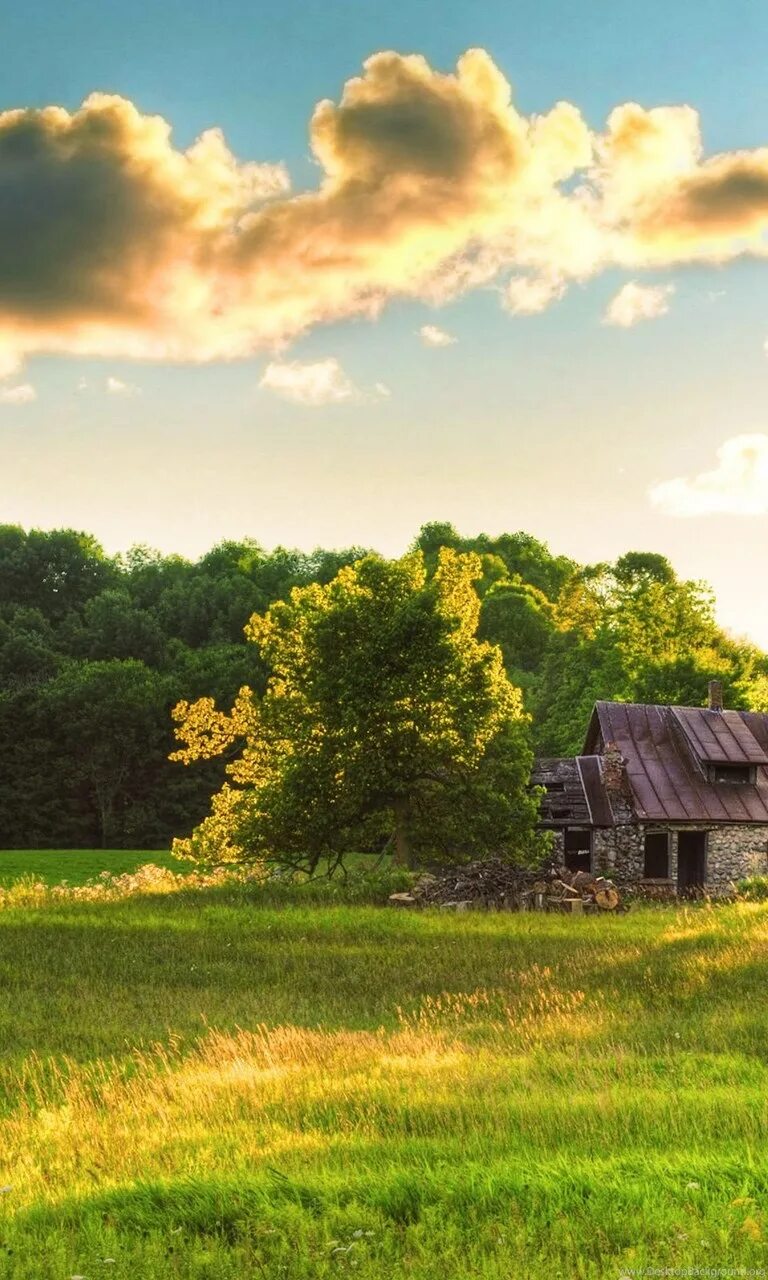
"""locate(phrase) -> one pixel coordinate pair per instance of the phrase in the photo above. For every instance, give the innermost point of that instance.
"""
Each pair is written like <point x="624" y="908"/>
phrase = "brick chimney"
<point x="715" y="695"/>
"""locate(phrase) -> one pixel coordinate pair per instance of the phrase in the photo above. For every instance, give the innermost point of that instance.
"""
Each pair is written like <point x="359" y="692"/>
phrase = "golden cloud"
<point x="736" y="485"/>
<point x="114" y="242"/>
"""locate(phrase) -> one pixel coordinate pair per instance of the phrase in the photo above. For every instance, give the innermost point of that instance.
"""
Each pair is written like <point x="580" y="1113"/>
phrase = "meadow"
<point x="299" y="1082"/>
<point x="76" y="866"/>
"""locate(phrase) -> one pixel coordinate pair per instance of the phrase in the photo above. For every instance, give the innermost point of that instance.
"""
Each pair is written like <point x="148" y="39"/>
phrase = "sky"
<point x="318" y="274"/>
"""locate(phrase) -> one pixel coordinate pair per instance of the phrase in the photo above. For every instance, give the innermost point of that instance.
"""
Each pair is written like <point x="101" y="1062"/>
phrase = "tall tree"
<point x="383" y="713"/>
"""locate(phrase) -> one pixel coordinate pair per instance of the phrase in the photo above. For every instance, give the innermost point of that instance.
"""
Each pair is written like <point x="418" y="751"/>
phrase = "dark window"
<point x="555" y="786"/>
<point x="656" y="855"/>
<point x="562" y="813"/>
<point x="577" y="849"/>
<point x="731" y="773"/>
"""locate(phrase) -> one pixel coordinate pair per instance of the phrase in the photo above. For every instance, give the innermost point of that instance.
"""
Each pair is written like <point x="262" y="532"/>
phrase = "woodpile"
<point x="580" y="891"/>
<point x="495" y="885"/>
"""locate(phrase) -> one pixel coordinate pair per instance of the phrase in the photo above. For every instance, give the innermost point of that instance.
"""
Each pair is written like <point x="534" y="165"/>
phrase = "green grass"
<point x="77" y="865"/>
<point x="272" y="1082"/>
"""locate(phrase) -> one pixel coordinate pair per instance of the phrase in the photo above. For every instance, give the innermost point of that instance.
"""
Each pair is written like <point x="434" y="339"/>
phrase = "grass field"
<point x="261" y="1082"/>
<point x="77" y="865"/>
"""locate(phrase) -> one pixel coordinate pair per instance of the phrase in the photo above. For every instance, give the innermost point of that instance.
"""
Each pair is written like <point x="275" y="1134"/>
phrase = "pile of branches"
<point x="496" y="885"/>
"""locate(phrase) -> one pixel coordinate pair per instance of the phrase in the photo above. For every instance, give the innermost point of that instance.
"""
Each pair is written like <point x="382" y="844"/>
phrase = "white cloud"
<point x="382" y="390"/>
<point x="635" y="302"/>
<point x="315" y="383"/>
<point x="737" y="485"/>
<point x="432" y="336"/>
<point x="527" y="295"/>
<point x="24" y="393"/>
<point x="116" y="387"/>
<point x="10" y="362"/>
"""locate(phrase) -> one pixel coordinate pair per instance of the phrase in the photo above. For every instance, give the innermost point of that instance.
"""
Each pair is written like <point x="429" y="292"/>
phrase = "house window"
<point x="656" y="855"/>
<point x="554" y="786"/>
<point x="731" y="773"/>
<point x="577" y="848"/>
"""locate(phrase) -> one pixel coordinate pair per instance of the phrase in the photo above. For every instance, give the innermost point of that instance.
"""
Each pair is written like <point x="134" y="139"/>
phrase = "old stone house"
<point x="667" y="798"/>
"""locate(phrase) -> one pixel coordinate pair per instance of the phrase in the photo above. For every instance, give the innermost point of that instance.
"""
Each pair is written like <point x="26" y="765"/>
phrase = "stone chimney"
<point x="613" y="769"/>
<point x="715" y="695"/>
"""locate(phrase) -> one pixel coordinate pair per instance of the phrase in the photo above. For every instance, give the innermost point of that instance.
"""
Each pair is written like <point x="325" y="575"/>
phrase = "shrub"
<point x="753" y="888"/>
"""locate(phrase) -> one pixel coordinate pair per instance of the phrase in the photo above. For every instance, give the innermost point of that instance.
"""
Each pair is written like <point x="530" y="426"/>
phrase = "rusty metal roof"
<point x="666" y="751"/>
<point x="719" y="737"/>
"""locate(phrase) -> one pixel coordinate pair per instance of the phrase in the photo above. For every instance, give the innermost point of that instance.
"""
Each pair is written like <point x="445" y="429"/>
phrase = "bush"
<point x="753" y="888"/>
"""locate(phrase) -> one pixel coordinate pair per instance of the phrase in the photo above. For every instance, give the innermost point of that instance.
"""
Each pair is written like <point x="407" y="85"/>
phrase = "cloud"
<point x="635" y="302"/>
<point x="737" y="485"/>
<point x="10" y="362"/>
<point x="320" y="382"/>
<point x="432" y="336"/>
<point x="116" y="387"/>
<point x="527" y="295"/>
<point x="23" y="393"/>
<point x="429" y="184"/>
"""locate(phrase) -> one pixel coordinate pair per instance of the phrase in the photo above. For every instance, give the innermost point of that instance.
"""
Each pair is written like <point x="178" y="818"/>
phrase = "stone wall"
<point x="732" y="851"/>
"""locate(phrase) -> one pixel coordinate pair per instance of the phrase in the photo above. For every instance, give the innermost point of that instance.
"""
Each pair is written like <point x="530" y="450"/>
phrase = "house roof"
<point x="666" y="751"/>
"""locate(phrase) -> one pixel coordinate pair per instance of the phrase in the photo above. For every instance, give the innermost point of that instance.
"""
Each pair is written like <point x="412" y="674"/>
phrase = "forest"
<point x="97" y="650"/>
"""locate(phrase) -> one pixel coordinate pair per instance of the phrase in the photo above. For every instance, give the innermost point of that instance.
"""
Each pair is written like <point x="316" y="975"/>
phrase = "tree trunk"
<point x="401" y="809"/>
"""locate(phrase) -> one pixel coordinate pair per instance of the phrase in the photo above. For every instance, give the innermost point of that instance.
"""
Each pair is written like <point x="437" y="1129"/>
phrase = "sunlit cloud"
<point x="23" y="393"/>
<point x="635" y="302"/>
<point x="116" y="387"/>
<point x="429" y="184"/>
<point x="10" y="362"/>
<point x="316" y="383"/>
<point x="737" y="485"/>
<point x="528" y="295"/>
<point x="432" y="336"/>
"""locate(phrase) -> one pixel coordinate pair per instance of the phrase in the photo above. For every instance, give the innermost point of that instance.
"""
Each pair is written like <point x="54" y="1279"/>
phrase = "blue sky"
<point x="555" y="422"/>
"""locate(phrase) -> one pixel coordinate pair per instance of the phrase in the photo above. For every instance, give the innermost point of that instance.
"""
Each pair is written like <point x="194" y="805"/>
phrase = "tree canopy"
<point x="568" y="634"/>
<point x="383" y="715"/>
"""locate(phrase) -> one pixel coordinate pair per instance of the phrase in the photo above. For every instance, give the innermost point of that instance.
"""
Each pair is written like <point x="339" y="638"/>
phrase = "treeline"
<point x="96" y="650"/>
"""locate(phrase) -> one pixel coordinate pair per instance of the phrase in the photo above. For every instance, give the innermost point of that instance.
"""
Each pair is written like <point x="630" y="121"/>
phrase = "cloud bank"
<point x="114" y="242"/>
<point x="736" y="485"/>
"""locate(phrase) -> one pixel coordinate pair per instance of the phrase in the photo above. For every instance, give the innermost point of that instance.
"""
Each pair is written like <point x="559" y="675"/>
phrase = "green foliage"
<point x="383" y="713"/>
<point x="637" y="633"/>
<point x="568" y="634"/>
<point x="753" y="888"/>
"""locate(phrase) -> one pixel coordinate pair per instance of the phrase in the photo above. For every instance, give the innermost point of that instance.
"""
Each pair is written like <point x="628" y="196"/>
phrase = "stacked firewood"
<point x="495" y="885"/>
<point x="576" y="891"/>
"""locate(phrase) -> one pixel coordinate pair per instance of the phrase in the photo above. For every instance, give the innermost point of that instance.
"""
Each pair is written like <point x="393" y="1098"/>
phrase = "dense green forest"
<point x="96" y="650"/>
